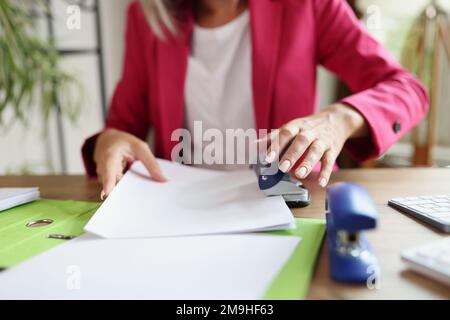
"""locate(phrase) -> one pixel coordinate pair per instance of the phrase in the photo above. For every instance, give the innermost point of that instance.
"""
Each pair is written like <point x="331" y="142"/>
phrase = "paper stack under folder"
<point x="12" y="197"/>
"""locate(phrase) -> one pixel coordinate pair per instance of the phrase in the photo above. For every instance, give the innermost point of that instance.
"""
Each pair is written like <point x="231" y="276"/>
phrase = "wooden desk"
<point x="395" y="232"/>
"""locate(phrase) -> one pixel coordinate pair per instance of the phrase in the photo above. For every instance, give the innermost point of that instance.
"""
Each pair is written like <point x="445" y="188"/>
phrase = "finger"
<point x="314" y="154"/>
<point x="263" y="143"/>
<point x="143" y="153"/>
<point x="109" y="182"/>
<point x="297" y="148"/>
<point x="268" y="137"/>
<point x="328" y="160"/>
<point x="110" y="170"/>
<point x="281" y="141"/>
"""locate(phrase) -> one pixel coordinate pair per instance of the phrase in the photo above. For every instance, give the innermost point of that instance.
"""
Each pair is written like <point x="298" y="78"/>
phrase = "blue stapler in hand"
<point x="350" y="211"/>
<point x="274" y="182"/>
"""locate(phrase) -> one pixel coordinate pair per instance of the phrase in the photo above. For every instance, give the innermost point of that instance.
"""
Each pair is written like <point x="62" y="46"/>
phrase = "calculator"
<point x="433" y="209"/>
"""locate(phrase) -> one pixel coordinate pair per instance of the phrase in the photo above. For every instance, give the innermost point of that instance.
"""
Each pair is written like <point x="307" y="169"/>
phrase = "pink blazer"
<point x="290" y="38"/>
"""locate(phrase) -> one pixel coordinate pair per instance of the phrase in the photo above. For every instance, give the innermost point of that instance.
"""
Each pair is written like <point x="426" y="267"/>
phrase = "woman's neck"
<point x="215" y="13"/>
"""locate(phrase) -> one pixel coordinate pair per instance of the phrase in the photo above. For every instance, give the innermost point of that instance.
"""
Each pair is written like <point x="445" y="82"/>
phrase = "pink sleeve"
<point x="129" y="108"/>
<point x="391" y="99"/>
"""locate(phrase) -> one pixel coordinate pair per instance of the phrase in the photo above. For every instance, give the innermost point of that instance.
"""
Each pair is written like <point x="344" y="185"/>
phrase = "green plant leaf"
<point x="30" y="72"/>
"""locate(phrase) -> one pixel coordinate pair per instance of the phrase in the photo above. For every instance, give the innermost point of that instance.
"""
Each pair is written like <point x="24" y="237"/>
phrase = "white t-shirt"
<point x="218" y="90"/>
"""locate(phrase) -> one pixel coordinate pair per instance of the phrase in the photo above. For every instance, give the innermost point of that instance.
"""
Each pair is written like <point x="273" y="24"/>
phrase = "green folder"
<point x="292" y="283"/>
<point x="19" y="242"/>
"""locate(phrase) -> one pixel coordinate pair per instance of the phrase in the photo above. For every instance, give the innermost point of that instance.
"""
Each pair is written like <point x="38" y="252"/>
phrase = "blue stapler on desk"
<point x="350" y="211"/>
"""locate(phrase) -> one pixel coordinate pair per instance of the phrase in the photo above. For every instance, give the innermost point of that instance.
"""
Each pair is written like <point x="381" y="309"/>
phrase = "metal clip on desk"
<point x="274" y="182"/>
<point x="350" y="211"/>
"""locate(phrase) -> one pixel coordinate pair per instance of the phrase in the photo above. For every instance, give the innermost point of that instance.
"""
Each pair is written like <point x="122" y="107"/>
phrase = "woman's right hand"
<point x="113" y="150"/>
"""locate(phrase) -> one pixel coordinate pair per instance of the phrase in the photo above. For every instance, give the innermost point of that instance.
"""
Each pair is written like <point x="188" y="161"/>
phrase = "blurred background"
<point x="61" y="60"/>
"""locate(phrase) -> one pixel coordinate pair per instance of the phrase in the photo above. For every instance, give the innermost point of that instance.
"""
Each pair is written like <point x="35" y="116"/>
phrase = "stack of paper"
<point x="194" y="201"/>
<point x="12" y="197"/>
<point x="202" y="267"/>
<point x="161" y="258"/>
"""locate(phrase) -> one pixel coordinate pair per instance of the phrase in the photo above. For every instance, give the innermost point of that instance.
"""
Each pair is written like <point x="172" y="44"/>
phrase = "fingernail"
<point x="271" y="156"/>
<point x="285" y="165"/>
<point x="323" y="182"/>
<point x="159" y="176"/>
<point x="301" y="173"/>
<point x="102" y="195"/>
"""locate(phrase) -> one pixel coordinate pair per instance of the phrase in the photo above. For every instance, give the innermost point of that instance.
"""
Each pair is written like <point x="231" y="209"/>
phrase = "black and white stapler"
<point x="274" y="182"/>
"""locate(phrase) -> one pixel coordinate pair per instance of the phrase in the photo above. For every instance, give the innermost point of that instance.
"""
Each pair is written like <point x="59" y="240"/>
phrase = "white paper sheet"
<point x="12" y="197"/>
<point x="201" y="267"/>
<point x="194" y="201"/>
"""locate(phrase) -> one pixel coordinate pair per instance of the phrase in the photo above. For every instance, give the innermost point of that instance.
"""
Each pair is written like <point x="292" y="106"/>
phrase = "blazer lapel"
<point x="266" y="18"/>
<point x="172" y="66"/>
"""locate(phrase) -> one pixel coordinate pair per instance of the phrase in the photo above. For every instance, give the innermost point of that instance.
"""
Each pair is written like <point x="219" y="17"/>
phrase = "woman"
<point x="252" y="64"/>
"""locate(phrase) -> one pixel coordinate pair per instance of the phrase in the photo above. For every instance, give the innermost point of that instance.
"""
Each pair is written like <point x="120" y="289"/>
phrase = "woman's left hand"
<point x="319" y="137"/>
